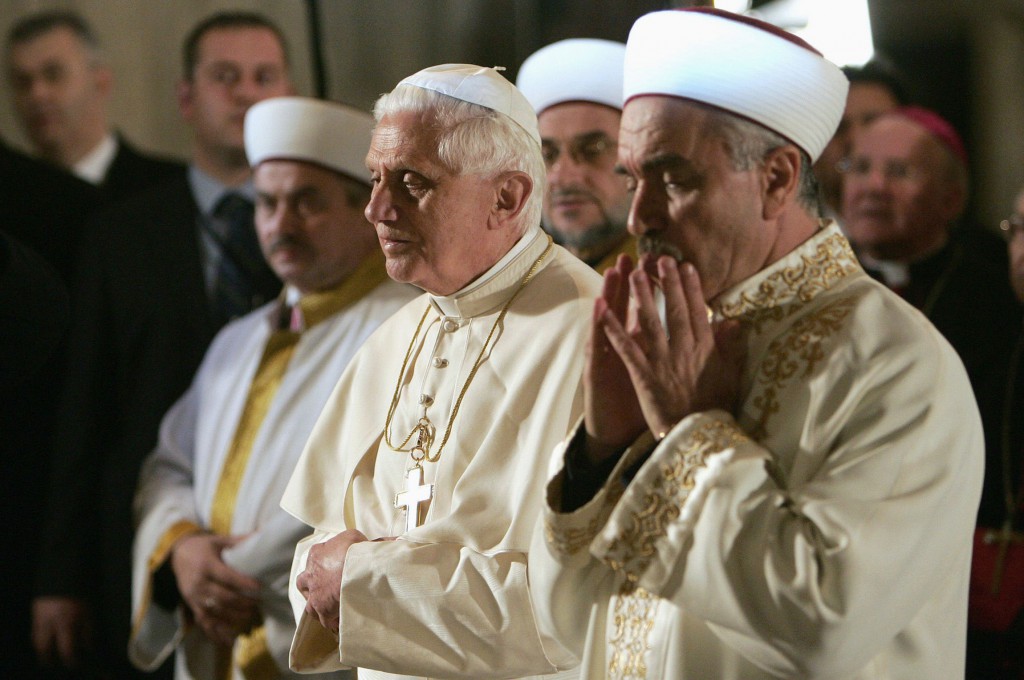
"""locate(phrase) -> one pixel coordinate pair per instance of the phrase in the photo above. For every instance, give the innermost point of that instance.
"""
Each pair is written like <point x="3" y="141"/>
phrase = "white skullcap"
<point x="478" y="85"/>
<point x="741" y="65"/>
<point x="575" y="70"/>
<point x="303" y="129"/>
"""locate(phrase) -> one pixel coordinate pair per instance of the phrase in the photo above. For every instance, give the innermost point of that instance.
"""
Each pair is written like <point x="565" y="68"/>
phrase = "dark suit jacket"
<point x="34" y="315"/>
<point x="132" y="172"/>
<point x="139" y="330"/>
<point x="44" y="207"/>
<point x="964" y="290"/>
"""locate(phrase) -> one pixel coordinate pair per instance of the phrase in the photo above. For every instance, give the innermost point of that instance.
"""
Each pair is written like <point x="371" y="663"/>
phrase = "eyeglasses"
<point x="592" y="149"/>
<point x="1012" y="226"/>
<point x="893" y="170"/>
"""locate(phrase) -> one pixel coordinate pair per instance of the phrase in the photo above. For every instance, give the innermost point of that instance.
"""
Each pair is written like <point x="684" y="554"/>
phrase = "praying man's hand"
<point x="695" y="366"/>
<point x="320" y="583"/>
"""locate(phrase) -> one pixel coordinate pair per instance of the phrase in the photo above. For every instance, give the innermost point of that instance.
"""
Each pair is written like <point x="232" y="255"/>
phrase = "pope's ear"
<point x="781" y="179"/>
<point x="512" y="191"/>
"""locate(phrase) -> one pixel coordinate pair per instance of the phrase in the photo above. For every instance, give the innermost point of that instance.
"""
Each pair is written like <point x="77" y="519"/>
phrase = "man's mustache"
<point x="285" y="241"/>
<point x="652" y="245"/>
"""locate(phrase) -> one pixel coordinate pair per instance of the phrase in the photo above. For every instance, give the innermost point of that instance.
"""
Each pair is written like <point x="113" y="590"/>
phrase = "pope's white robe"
<point x="448" y="599"/>
<point x="823" y="532"/>
<point x="179" y="481"/>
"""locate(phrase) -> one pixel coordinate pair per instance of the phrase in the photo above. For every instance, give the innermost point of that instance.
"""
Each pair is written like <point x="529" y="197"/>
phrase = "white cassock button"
<point x="449" y="325"/>
<point x="440" y="363"/>
<point x="426" y="400"/>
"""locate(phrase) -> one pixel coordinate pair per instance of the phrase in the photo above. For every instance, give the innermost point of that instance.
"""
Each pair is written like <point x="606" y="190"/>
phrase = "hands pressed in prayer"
<point x="320" y="583"/>
<point x="224" y="602"/>
<point x="61" y="631"/>
<point x="638" y="376"/>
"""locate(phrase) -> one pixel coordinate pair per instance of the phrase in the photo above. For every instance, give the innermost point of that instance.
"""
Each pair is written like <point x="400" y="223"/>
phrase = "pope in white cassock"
<point x="423" y="478"/>
<point x="213" y="547"/>
<point x="785" y="487"/>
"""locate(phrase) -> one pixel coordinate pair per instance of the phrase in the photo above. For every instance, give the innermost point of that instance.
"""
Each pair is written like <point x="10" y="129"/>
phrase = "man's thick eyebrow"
<point x="660" y="162"/>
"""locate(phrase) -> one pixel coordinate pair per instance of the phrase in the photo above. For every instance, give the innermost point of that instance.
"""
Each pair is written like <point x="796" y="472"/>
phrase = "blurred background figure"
<point x="995" y="634"/>
<point x="41" y="214"/>
<point x="905" y="188"/>
<point x="61" y="90"/>
<point x="575" y="87"/>
<point x="160" y="274"/>
<point x="874" y="89"/>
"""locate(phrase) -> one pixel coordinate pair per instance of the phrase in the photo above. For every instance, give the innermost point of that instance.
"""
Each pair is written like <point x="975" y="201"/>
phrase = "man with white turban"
<point x="213" y="547"/>
<point x="780" y="479"/>
<point x="575" y="86"/>
<point x="423" y="478"/>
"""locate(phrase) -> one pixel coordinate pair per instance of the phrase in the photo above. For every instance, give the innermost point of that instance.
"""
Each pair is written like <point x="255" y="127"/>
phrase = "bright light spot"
<point x="735" y="6"/>
<point x="839" y="29"/>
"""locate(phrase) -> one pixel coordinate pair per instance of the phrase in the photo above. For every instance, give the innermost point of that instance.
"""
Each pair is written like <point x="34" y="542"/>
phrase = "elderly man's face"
<point x="864" y="102"/>
<point x="688" y="199"/>
<point x="59" y="93"/>
<point x="432" y="223"/>
<point x="1016" y="251"/>
<point x="899" y="196"/>
<point x="310" y="233"/>
<point x="586" y="201"/>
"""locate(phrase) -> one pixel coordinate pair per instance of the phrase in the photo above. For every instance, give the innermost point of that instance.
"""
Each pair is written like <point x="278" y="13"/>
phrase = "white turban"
<point x="741" y="65"/>
<point x="303" y="129"/>
<point x="574" y="70"/>
<point x="478" y="85"/>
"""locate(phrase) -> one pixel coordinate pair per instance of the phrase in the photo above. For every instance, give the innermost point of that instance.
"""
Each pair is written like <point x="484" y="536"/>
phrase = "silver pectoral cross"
<point x="416" y="493"/>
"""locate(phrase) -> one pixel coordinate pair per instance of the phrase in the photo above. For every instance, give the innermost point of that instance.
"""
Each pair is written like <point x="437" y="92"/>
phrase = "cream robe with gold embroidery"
<point x="179" y="482"/>
<point x="823" y="532"/>
<point x="448" y="599"/>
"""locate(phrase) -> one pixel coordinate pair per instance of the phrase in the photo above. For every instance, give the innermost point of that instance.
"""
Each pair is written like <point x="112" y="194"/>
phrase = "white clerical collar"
<point x="894" y="274"/>
<point x="479" y="295"/>
<point x="94" y="165"/>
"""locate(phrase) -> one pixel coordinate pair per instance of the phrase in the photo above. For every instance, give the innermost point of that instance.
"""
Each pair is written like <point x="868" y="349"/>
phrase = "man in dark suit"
<point x="158" y="275"/>
<point x="61" y="88"/>
<point x="41" y="207"/>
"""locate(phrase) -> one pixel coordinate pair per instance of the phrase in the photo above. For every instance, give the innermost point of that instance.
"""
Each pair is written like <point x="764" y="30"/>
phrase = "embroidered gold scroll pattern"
<point x="794" y="354"/>
<point x="815" y="273"/>
<point x="632" y="550"/>
<point x="569" y="540"/>
<point x="632" y="622"/>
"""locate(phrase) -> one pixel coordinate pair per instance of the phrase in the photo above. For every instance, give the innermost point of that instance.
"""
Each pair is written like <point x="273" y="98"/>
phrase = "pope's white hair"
<point x="473" y="139"/>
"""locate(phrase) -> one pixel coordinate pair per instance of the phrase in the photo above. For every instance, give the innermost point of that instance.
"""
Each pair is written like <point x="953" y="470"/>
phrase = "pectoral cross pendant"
<point x="416" y="493"/>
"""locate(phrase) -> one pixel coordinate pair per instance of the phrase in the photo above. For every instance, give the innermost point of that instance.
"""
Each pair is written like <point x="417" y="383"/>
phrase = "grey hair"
<point x="748" y="143"/>
<point x="474" y="140"/>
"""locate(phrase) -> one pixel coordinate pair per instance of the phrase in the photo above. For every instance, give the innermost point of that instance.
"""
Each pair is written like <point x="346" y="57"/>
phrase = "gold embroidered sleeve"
<point x="567" y="533"/>
<point x="661" y="498"/>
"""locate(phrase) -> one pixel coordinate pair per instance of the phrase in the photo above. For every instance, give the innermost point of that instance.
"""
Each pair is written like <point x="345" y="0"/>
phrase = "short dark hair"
<point x="221" y="21"/>
<point x="35" y="25"/>
<point x="879" y="71"/>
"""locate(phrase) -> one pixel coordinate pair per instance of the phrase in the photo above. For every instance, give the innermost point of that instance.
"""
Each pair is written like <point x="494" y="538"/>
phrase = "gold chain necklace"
<point x="424" y="429"/>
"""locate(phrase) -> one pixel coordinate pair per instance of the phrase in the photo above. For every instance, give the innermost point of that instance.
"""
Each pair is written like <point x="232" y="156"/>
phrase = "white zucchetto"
<point x="478" y="85"/>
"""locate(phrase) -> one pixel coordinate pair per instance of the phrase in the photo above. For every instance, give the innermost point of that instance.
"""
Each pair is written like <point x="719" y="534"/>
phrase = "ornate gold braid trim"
<point x="631" y="551"/>
<point x="832" y="261"/>
<point x="794" y="354"/>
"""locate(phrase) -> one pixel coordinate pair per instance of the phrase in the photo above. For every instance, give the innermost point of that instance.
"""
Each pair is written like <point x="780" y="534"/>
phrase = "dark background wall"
<point x="964" y="58"/>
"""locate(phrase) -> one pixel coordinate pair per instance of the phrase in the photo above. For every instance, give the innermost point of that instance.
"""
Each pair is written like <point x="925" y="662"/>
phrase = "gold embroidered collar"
<point x="817" y="265"/>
